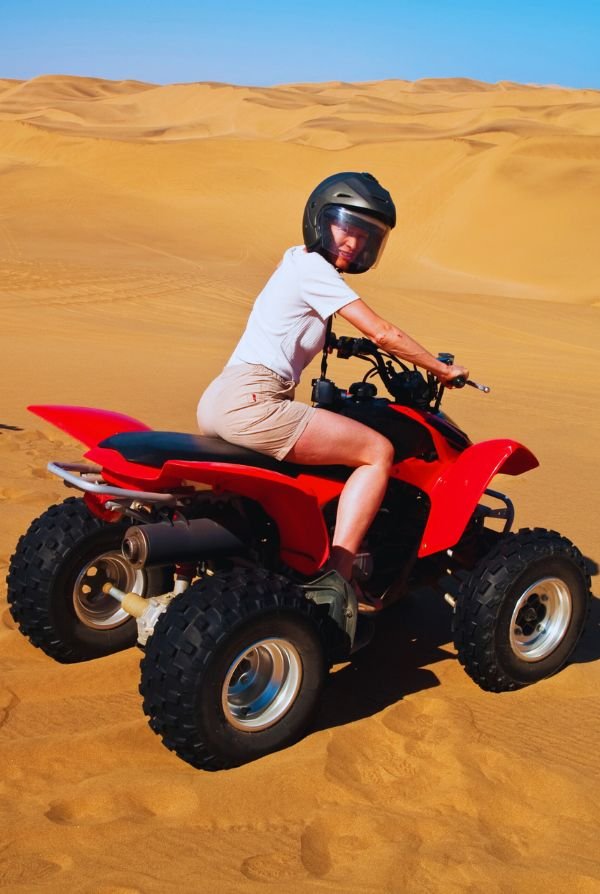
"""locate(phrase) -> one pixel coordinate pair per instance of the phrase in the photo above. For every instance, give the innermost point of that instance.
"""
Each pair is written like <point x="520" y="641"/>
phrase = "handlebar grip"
<point x="352" y="347"/>
<point x="364" y="346"/>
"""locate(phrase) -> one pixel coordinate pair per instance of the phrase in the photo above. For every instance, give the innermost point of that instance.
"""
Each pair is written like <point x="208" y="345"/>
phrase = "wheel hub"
<point x="93" y="607"/>
<point x="540" y="619"/>
<point x="261" y="684"/>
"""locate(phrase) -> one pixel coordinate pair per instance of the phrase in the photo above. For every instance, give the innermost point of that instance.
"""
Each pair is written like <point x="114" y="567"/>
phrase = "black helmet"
<point x="354" y="204"/>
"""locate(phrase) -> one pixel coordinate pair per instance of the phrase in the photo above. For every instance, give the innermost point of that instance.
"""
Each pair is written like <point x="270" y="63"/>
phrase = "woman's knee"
<point x="381" y="452"/>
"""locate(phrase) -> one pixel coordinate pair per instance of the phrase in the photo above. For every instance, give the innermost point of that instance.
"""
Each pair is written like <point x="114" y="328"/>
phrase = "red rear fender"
<point x="294" y="504"/>
<point x="86" y="424"/>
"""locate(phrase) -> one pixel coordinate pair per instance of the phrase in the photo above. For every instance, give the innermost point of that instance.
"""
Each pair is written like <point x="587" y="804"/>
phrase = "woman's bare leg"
<point x="329" y="438"/>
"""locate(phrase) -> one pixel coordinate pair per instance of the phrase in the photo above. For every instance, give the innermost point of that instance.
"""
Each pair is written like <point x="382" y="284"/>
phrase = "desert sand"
<point x="137" y="223"/>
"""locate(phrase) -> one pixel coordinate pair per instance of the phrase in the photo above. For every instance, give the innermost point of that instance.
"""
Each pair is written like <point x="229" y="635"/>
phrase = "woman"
<point x="346" y="223"/>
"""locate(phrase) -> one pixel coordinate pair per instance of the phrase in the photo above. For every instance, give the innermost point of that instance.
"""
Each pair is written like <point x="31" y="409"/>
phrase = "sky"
<point x="278" y="41"/>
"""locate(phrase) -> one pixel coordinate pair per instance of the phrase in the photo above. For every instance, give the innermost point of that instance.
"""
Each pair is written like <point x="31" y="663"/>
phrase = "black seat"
<point x="155" y="448"/>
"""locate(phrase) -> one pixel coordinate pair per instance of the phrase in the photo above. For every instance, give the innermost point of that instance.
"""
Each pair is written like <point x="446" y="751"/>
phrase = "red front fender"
<point x="455" y="492"/>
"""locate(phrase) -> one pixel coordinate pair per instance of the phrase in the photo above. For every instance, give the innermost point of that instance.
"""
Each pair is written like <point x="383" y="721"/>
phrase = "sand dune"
<point x="462" y="154"/>
<point x="137" y="223"/>
<point x="133" y="110"/>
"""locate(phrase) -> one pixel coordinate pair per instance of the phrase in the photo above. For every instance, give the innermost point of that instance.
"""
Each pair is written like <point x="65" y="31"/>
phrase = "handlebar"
<point x="355" y="347"/>
<point x="406" y="386"/>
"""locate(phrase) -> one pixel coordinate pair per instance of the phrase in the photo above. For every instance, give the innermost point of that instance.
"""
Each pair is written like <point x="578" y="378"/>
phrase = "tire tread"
<point x="480" y="594"/>
<point x="33" y="567"/>
<point x="185" y="639"/>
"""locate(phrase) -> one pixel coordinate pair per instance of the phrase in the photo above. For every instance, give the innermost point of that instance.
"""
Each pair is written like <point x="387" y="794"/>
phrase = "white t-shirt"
<point x="287" y="325"/>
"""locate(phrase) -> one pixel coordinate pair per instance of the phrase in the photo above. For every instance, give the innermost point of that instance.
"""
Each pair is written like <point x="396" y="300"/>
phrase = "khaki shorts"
<point x="253" y="407"/>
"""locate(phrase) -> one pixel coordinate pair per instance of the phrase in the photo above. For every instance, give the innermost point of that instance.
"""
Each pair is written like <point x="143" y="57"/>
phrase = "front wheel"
<point x="520" y="612"/>
<point x="234" y="668"/>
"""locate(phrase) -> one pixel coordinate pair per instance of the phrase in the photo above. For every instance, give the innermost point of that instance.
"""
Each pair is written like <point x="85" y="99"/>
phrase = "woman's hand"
<point x="452" y="372"/>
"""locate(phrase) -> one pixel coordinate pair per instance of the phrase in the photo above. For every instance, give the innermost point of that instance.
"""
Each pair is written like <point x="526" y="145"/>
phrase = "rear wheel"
<point x="234" y="668"/>
<point x="55" y="584"/>
<point x="521" y="610"/>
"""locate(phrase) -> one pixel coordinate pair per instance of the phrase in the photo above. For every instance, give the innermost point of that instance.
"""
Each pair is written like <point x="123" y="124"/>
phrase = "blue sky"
<point x="277" y="41"/>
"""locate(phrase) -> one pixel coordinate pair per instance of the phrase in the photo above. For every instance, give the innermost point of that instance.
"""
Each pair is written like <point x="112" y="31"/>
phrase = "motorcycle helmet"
<point x="347" y="219"/>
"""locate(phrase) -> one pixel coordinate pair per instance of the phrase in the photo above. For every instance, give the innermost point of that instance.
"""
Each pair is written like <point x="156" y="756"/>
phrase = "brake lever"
<point x="460" y="382"/>
<point x="485" y="388"/>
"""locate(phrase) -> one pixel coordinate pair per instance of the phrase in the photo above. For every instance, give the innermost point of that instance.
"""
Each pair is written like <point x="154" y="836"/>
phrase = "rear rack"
<point x="90" y="480"/>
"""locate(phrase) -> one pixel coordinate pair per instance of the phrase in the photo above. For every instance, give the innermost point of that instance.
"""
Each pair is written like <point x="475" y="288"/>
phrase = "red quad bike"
<point x="208" y="555"/>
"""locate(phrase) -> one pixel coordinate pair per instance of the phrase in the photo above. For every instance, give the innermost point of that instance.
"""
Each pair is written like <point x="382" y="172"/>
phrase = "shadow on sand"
<point x="408" y="638"/>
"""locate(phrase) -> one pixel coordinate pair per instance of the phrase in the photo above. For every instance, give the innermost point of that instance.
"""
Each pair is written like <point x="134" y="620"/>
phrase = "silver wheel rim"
<point x="540" y="619"/>
<point x="93" y="607"/>
<point x="262" y="684"/>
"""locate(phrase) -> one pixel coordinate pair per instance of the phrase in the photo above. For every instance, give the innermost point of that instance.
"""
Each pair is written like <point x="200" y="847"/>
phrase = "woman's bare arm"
<point x="392" y="339"/>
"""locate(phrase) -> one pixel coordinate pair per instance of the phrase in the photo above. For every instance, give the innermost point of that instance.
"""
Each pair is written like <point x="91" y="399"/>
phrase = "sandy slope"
<point x="136" y="224"/>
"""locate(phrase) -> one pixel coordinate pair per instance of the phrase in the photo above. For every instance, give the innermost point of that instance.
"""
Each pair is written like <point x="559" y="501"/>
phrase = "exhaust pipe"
<point x="182" y="541"/>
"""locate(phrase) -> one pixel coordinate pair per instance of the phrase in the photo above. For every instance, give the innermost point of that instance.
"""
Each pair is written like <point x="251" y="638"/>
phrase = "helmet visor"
<point x="352" y="241"/>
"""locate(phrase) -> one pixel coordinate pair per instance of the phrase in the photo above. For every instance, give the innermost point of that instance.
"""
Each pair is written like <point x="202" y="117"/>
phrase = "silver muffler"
<point x="166" y="543"/>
